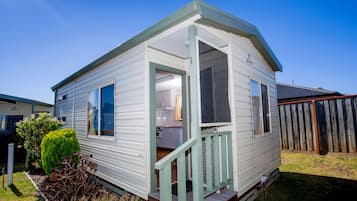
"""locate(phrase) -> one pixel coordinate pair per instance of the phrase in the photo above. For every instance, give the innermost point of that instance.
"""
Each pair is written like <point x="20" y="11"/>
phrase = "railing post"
<point x="165" y="183"/>
<point x="197" y="174"/>
<point x="10" y="163"/>
<point x="315" y="127"/>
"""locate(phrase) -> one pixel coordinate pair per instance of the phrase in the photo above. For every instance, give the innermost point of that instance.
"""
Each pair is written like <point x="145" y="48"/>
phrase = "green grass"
<point x="21" y="190"/>
<point x="311" y="177"/>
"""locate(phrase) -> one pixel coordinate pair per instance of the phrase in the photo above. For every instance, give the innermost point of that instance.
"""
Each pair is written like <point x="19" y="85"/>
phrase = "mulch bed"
<point x="42" y="181"/>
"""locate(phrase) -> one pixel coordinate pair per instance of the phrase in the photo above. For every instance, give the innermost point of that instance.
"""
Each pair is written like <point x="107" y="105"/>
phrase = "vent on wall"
<point x="62" y="119"/>
<point x="62" y="98"/>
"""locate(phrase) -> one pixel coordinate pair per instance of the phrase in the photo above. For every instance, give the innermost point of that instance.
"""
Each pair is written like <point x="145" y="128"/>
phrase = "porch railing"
<point x="218" y="165"/>
<point x="218" y="161"/>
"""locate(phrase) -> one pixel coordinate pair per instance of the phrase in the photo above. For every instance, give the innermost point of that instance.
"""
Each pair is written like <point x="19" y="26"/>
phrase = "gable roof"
<point x="14" y="99"/>
<point x="289" y="92"/>
<point x="209" y="16"/>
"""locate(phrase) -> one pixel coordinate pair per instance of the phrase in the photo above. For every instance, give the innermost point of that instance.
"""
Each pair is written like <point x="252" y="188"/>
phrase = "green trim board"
<point x="153" y="68"/>
<point x="209" y="16"/>
<point x="14" y="99"/>
<point x="197" y="175"/>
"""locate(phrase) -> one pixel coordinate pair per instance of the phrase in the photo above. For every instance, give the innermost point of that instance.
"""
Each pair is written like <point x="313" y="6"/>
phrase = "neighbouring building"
<point x="14" y="109"/>
<point x="289" y="92"/>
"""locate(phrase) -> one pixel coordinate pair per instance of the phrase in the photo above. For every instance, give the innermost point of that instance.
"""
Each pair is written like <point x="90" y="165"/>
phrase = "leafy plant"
<point x="32" y="130"/>
<point x="56" y="145"/>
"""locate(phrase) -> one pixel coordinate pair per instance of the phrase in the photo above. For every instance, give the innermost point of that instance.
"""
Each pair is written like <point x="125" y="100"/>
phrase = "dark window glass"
<point x="93" y="112"/>
<point x="107" y="111"/>
<point x="266" y="112"/>
<point x="214" y="85"/>
<point x="206" y="95"/>
<point x="8" y="122"/>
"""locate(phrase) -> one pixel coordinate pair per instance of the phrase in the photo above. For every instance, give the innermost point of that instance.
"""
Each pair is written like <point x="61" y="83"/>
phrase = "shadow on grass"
<point x="297" y="187"/>
<point x="15" y="190"/>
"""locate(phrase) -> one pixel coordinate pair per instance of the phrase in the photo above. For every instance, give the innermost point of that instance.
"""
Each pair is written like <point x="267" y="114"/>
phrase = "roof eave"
<point x="222" y="20"/>
<point x="24" y="100"/>
<point x="209" y="16"/>
<point x="184" y="13"/>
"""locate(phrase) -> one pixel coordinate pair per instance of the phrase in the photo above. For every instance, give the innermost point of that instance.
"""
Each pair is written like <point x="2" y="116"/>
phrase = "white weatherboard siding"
<point x="257" y="155"/>
<point x="253" y="155"/>
<point x="121" y="160"/>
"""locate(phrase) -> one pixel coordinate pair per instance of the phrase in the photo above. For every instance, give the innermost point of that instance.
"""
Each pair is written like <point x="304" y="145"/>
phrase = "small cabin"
<point x="185" y="110"/>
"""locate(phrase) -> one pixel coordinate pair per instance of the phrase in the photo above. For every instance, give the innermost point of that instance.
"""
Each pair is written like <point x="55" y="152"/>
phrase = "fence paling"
<point x="350" y="127"/>
<point x="326" y="125"/>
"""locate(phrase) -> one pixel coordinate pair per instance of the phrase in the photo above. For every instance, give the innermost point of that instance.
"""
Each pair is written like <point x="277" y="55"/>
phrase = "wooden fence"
<point x="320" y="125"/>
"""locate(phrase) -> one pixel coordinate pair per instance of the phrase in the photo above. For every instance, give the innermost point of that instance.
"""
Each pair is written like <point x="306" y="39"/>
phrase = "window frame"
<point x="269" y="106"/>
<point x="225" y="51"/>
<point x="260" y="83"/>
<point x="99" y="136"/>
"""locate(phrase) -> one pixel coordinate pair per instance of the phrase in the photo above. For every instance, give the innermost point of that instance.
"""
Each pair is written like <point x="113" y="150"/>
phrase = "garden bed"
<point x="43" y="182"/>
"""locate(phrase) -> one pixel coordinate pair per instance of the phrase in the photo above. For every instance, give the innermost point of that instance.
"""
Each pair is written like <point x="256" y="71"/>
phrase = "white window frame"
<point x="223" y="50"/>
<point x="261" y="106"/>
<point x="99" y="136"/>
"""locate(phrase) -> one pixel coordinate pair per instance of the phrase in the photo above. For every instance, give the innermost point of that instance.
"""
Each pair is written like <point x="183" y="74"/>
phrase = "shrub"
<point x="32" y="130"/>
<point x="56" y="145"/>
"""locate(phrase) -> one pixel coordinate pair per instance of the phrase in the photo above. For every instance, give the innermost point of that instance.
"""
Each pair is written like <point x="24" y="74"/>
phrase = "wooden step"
<point x="223" y="195"/>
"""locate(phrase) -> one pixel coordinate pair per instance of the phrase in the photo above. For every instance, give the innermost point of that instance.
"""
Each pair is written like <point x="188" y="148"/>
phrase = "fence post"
<point x="10" y="163"/>
<point x="315" y="127"/>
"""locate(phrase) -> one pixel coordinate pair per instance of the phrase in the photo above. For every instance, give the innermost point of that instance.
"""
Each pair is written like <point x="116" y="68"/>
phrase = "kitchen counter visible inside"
<point x="169" y="137"/>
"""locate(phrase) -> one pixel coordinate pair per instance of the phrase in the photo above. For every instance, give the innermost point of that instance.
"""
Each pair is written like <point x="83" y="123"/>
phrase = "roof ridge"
<point x="24" y="100"/>
<point x="307" y="88"/>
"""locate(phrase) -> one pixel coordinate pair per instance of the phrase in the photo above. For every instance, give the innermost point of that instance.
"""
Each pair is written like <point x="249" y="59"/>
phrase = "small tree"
<point x="55" y="146"/>
<point x="32" y="130"/>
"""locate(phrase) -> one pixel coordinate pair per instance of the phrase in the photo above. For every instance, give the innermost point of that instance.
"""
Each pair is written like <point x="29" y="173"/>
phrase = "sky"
<point x="44" y="41"/>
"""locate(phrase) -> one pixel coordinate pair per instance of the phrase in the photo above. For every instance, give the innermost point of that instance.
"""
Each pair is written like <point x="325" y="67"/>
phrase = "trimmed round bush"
<point x="55" y="146"/>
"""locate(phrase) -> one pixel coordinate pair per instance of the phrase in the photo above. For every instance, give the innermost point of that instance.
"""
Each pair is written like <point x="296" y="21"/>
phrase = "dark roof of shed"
<point x="287" y="91"/>
<point x="14" y="99"/>
<point x="209" y="15"/>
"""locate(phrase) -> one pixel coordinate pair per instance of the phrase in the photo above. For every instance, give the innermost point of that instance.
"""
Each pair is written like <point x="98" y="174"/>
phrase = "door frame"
<point x="153" y="68"/>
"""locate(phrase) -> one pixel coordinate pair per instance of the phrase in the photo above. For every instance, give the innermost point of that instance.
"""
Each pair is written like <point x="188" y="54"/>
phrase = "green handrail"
<point x="174" y="154"/>
<point x="164" y="166"/>
<point x="222" y="176"/>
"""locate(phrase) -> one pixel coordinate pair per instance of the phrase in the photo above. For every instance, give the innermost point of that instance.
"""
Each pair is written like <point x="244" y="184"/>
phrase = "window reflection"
<point x="107" y="111"/>
<point x="93" y="112"/>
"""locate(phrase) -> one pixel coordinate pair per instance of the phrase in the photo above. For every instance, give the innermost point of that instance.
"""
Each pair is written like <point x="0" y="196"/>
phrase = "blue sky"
<point x="42" y="42"/>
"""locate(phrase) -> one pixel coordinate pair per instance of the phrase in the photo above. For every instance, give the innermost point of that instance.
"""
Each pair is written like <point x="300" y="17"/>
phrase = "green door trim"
<point x="153" y="68"/>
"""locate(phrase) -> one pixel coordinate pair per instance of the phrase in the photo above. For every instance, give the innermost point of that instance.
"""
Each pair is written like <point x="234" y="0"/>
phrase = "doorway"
<point x="167" y="114"/>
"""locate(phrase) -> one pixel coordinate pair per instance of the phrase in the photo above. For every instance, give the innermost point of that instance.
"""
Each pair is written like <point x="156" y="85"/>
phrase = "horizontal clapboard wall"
<point x="320" y="125"/>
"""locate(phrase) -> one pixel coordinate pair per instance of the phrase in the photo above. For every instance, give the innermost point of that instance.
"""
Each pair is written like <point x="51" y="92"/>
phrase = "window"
<point x="255" y="93"/>
<point x="266" y="112"/>
<point x="260" y="107"/>
<point x="8" y="122"/>
<point x="214" y="85"/>
<point x="101" y="111"/>
<point x="107" y="111"/>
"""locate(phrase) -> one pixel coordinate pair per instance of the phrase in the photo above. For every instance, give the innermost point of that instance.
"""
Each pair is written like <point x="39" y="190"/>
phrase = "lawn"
<point x="310" y="177"/>
<point x="22" y="189"/>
